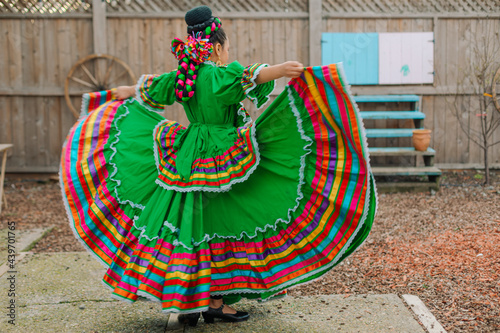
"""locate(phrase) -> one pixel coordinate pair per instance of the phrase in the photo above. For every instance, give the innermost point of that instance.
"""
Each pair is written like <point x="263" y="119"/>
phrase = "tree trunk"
<point x="486" y="165"/>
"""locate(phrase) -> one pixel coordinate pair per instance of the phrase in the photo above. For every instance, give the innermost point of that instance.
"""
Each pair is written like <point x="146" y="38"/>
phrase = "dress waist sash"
<point x="196" y="141"/>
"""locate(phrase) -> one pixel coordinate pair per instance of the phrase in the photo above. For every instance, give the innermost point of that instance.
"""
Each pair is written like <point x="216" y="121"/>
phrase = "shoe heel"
<point x="208" y="318"/>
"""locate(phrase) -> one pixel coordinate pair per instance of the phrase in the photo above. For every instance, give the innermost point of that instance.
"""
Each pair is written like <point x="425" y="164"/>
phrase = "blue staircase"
<point x="428" y="170"/>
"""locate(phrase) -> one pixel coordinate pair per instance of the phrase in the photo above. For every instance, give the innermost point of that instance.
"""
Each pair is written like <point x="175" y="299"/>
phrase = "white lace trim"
<point x="223" y="188"/>
<point x="213" y="64"/>
<point x="85" y="105"/>
<point x="247" y="119"/>
<point x="138" y="97"/>
<point x="171" y="227"/>
<point x="255" y="100"/>
<point x="112" y="147"/>
<point x="155" y="145"/>
<point x="143" y="229"/>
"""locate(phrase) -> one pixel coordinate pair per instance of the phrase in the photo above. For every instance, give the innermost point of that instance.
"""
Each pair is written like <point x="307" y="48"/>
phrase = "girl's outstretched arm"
<point x="124" y="92"/>
<point x="291" y="69"/>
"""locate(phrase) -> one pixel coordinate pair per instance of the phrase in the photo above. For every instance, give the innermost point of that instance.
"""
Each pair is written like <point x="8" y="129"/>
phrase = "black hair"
<point x="218" y="37"/>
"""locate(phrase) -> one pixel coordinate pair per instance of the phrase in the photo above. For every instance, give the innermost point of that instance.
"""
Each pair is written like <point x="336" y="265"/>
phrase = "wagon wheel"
<point x="495" y="90"/>
<point x="95" y="72"/>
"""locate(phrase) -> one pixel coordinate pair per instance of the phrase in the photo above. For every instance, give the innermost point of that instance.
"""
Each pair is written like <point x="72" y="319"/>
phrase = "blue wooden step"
<point x="399" y="151"/>
<point x="392" y="115"/>
<point x="386" y="98"/>
<point x="404" y="171"/>
<point x="389" y="132"/>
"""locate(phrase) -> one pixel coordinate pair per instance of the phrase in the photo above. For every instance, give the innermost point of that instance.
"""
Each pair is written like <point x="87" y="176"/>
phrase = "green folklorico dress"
<point x="223" y="206"/>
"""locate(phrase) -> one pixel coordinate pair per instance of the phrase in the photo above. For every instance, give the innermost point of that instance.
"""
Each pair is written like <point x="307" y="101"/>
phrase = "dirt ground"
<point x="442" y="247"/>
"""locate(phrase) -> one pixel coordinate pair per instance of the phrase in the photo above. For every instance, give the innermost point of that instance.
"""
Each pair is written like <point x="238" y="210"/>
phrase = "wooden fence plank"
<point x="315" y="32"/>
<point x="99" y="26"/>
<point x="463" y="53"/>
<point x="39" y="61"/>
<point x="242" y="54"/>
<point x="27" y="51"/>
<point x="55" y="134"/>
<point x="18" y="158"/>
<point x="43" y="105"/>
<point x="255" y="43"/>
<point x="6" y="128"/>
<point x="476" y="153"/>
<point x="279" y="49"/>
<point x="51" y="60"/>
<point x="427" y="107"/>
<point x="302" y="36"/>
<point x="452" y="69"/>
<point x="440" y="129"/>
<point x="5" y="43"/>
<point x="29" y="122"/>
<point x="13" y="48"/>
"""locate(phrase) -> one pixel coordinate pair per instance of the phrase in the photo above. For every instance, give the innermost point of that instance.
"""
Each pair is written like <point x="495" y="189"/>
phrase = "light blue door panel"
<point x="357" y="51"/>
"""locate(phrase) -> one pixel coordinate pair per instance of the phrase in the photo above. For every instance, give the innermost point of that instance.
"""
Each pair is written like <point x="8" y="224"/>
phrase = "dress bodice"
<point x="216" y="145"/>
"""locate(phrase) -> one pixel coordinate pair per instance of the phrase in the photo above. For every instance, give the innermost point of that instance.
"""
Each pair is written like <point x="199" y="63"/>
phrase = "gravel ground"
<point x="442" y="247"/>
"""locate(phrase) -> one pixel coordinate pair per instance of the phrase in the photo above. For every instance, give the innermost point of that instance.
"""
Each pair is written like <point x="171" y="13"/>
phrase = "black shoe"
<point x="190" y="318"/>
<point x="212" y="313"/>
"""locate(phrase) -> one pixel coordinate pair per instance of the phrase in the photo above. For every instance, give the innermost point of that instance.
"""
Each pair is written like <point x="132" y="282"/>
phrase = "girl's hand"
<point x="124" y="92"/>
<point x="292" y="69"/>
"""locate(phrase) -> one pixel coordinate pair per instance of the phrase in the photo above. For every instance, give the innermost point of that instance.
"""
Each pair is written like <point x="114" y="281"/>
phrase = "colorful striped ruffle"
<point x="93" y="100"/>
<point x="258" y="94"/>
<point x="330" y="217"/>
<point x="213" y="173"/>
<point x="142" y="95"/>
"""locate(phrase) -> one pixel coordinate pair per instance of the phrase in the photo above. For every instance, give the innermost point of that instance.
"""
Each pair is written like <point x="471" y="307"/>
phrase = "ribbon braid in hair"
<point x="196" y="50"/>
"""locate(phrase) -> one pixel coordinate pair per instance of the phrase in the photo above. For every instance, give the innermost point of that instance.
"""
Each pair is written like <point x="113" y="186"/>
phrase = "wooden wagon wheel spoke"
<point x="85" y="69"/>
<point x="108" y="71"/>
<point x="120" y="75"/>
<point x="95" y="67"/>
<point x="85" y="83"/>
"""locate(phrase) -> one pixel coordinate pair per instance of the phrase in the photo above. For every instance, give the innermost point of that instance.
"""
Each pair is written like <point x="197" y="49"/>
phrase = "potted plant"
<point x="421" y="139"/>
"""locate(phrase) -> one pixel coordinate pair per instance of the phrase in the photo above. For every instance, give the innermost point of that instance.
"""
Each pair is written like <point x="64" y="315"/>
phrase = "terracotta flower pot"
<point x="421" y="139"/>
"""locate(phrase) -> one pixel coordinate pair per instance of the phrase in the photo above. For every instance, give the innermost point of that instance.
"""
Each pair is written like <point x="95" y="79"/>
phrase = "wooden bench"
<point x="414" y="114"/>
<point x="4" y="147"/>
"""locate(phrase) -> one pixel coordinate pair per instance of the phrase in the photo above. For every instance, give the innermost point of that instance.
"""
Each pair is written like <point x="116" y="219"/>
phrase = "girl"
<point x="198" y="217"/>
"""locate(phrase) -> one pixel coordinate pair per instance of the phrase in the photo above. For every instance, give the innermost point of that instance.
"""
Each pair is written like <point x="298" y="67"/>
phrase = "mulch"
<point x="442" y="247"/>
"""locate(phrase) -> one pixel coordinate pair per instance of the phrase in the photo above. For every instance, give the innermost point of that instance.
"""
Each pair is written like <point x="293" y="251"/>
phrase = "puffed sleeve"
<point x="257" y="93"/>
<point x="233" y="83"/>
<point x="155" y="91"/>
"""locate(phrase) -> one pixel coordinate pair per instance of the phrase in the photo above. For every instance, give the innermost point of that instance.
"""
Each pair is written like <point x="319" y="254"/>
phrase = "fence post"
<point x="315" y="27"/>
<point x="99" y="26"/>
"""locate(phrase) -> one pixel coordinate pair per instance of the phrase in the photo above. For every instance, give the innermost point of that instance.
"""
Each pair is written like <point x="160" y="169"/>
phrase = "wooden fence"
<point x="38" y="46"/>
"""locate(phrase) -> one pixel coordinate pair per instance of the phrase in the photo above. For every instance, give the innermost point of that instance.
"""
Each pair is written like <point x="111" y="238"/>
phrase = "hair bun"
<point x="198" y="15"/>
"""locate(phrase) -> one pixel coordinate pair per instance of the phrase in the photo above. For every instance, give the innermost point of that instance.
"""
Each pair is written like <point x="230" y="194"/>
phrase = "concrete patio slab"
<point x="329" y="313"/>
<point x="62" y="292"/>
<point x="24" y="240"/>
